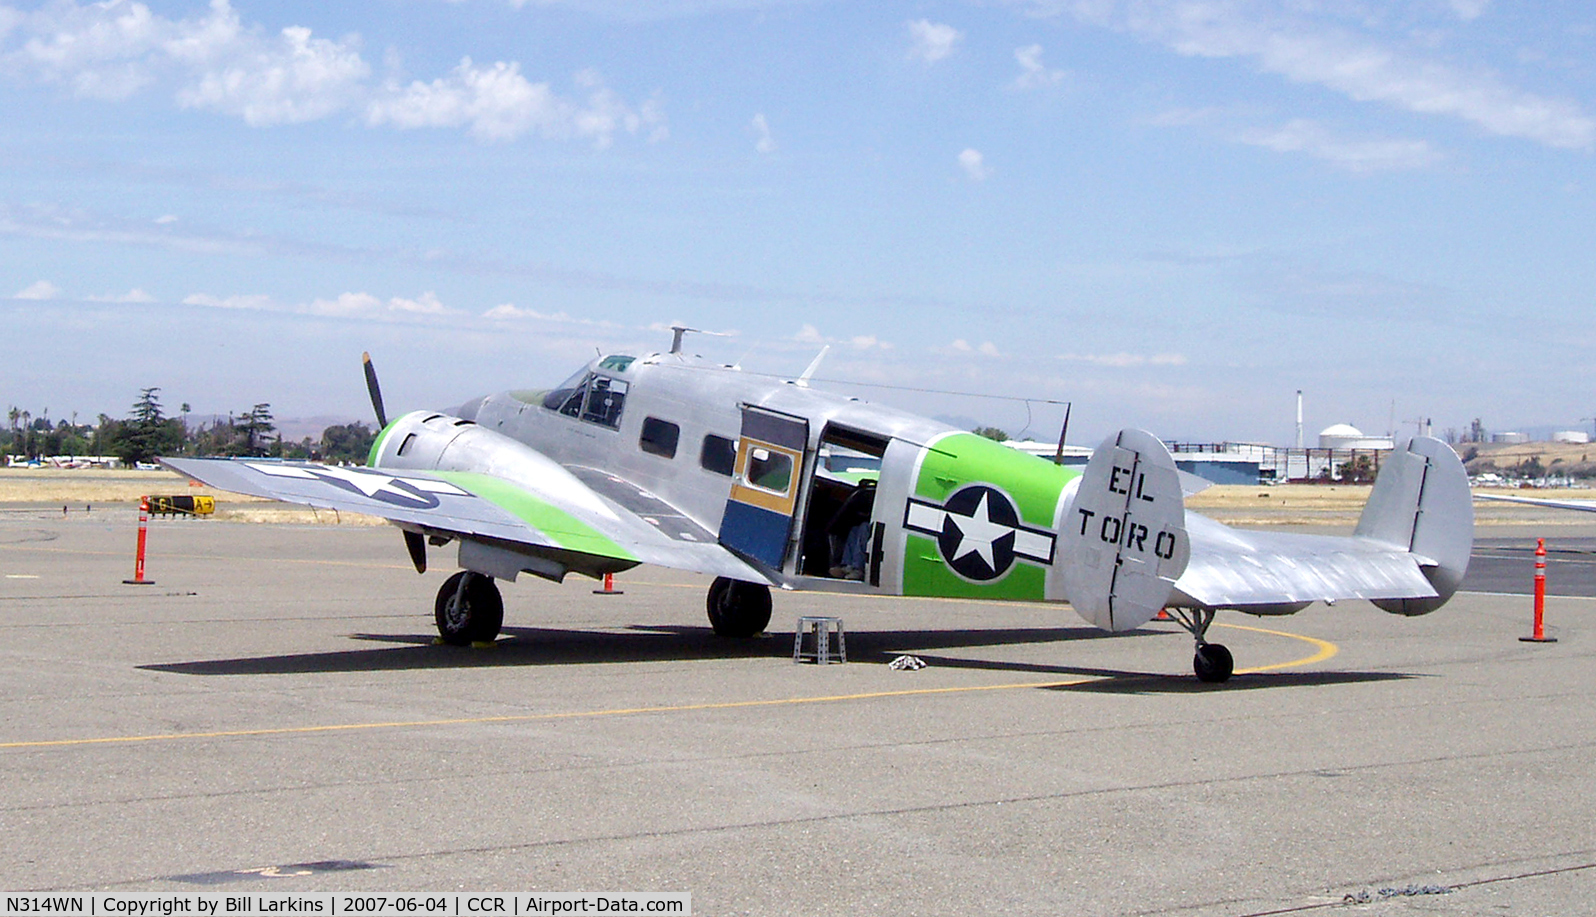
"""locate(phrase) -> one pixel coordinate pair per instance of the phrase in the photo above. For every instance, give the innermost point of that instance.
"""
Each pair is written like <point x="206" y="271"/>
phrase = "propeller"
<point x="374" y="390"/>
<point x="415" y="543"/>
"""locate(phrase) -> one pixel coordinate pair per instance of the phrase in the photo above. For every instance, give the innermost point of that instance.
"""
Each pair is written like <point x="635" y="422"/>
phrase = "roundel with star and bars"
<point x="978" y="532"/>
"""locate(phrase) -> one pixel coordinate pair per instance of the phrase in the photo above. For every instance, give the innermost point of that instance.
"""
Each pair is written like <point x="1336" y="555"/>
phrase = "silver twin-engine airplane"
<point x="672" y="460"/>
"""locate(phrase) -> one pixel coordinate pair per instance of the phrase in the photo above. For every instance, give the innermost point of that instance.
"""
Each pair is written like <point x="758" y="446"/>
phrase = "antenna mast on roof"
<point x="680" y="331"/>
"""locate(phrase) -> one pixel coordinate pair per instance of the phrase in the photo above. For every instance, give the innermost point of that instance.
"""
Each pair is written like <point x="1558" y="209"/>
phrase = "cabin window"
<point x="769" y="470"/>
<point x="719" y="455"/>
<point x="659" y="437"/>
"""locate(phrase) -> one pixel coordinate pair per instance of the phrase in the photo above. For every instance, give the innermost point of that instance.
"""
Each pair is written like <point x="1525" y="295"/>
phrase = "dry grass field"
<point x="80" y="487"/>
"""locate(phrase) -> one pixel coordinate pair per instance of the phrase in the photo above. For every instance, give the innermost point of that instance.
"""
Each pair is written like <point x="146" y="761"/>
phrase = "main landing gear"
<point x="1212" y="662"/>
<point x="469" y="609"/>
<point x="736" y="608"/>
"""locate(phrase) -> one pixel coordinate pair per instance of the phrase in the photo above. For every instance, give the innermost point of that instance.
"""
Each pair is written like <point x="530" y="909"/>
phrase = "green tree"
<point x="349" y="442"/>
<point x="147" y="432"/>
<point x="254" y="425"/>
<point x="992" y="433"/>
<point x="1356" y="470"/>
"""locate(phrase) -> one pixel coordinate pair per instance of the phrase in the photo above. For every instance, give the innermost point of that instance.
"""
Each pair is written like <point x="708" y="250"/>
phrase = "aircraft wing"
<point x="569" y="527"/>
<point x="1263" y="571"/>
<point x="1584" y="506"/>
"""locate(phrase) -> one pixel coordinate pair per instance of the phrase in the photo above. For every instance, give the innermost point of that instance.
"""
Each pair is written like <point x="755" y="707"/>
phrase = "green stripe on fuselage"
<point x="1034" y="485"/>
<point x="564" y="529"/>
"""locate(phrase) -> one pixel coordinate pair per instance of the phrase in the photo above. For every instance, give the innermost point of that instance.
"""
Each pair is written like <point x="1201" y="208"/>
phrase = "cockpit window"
<point x="592" y="397"/>
<point x="567" y="399"/>
<point x="605" y="397"/>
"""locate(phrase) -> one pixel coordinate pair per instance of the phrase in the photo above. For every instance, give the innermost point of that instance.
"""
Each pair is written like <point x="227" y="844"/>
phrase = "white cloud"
<point x="961" y="347"/>
<point x="346" y="304"/>
<point x="42" y="289"/>
<point x="102" y="50"/>
<point x="133" y="295"/>
<point x="765" y="143"/>
<point x="217" y="62"/>
<point x="1125" y="360"/>
<point x="511" y="312"/>
<point x="1363" y="67"/>
<point x="236" y="301"/>
<point x="498" y="103"/>
<point x="287" y="80"/>
<point x="931" y="41"/>
<point x="811" y="335"/>
<point x="1033" y="73"/>
<point x="425" y="304"/>
<point x="166" y="219"/>
<point x="1304" y="136"/>
<point x="974" y="165"/>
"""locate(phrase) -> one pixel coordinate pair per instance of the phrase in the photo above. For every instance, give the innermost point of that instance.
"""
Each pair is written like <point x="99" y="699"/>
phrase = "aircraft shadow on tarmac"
<point x="537" y="646"/>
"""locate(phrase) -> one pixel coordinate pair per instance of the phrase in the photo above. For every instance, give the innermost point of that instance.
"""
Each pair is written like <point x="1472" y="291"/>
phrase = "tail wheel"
<point x="1213" y="663"/>
<point x="469" y="609"/>
<point x="738" y="609"/>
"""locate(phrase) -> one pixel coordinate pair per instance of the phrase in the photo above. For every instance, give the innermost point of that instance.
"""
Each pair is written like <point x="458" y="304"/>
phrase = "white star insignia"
<point x="977" y="531"/>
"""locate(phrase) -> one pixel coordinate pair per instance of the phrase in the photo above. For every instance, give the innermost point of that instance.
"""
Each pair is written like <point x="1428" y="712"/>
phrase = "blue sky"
<point x="1172" y="213"/>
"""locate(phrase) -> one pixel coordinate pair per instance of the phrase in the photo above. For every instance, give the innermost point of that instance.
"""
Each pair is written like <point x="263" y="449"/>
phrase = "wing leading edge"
<point x="558" y="529"/>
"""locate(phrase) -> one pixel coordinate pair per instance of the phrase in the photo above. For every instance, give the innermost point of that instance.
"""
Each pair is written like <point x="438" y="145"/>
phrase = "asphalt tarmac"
<point x="271" y="715"/>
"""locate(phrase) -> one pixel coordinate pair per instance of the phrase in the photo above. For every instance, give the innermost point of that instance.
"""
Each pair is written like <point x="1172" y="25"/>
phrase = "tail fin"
<point x="1421" y="503"/>
<point x="1123" y="542"/>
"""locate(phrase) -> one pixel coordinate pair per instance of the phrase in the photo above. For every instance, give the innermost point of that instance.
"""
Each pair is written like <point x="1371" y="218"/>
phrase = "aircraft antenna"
<point x="803" y="380"/>
<point x="680" y="331"/>
<point x="1058" y="457"/>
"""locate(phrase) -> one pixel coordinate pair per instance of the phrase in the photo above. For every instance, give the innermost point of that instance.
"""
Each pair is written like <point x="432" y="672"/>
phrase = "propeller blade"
<point x="376" y="392"/>
<point x="418" y="550"/>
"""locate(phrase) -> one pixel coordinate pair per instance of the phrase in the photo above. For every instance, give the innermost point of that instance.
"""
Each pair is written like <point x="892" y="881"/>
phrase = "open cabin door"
<point x="758" y="521"/>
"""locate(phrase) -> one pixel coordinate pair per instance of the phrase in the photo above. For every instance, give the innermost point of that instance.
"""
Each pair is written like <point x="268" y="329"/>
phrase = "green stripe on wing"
<point x="564" y="529"/>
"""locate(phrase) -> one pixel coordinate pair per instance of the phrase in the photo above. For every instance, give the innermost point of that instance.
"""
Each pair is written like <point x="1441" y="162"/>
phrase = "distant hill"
<point x="1576" y="459"/>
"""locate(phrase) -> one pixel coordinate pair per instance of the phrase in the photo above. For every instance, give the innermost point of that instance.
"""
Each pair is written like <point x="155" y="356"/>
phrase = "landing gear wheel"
<point x="738" y="609"/>
<point x="469" y="609"/>
<point x="1213" y="663"/>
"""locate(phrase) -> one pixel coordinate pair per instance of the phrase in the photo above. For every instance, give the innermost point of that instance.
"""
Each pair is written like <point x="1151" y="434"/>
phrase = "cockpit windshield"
<point x="590" y="396"/>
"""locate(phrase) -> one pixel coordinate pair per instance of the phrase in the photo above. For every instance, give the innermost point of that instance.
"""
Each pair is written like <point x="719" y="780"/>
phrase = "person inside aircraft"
<point x="849" y="529"/>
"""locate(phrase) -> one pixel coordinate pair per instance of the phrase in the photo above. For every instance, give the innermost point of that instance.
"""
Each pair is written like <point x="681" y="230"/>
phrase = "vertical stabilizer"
<point x="1123" y="542"/>
<point x="1421" y="503"/>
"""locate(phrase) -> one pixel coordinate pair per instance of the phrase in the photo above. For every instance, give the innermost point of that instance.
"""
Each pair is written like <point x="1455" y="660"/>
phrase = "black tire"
<point x="738" y="609"/>
<point x="1213" y="663"/>
<point x="480" y="616"/>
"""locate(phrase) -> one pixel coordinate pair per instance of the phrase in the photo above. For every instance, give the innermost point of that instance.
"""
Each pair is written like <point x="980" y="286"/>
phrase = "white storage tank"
<point x="1346" y="436"/>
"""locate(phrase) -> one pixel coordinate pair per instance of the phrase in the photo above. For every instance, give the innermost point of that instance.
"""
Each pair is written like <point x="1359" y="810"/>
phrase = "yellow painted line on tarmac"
<point x="1325" y="651"/>
<point x="537" y="717"/>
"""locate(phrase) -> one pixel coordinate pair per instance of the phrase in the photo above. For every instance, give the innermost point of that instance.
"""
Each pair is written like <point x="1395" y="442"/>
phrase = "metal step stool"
<point x="822" y="630"/>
